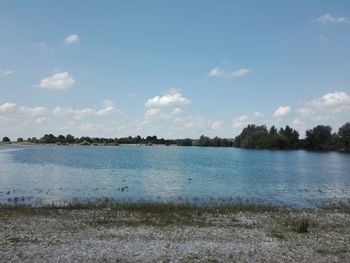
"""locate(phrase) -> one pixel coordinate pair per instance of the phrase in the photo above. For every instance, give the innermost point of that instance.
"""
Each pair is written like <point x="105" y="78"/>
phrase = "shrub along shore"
<point x="320" y="138"/>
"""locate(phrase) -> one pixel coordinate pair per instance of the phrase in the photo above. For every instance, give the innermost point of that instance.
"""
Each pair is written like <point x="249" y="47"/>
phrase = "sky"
<point x="174" y="69"/>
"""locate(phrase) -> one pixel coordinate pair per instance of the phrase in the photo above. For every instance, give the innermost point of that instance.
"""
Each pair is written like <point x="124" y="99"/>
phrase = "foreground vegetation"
<point x="149" y="232"/>
<point x="253" y="136"/>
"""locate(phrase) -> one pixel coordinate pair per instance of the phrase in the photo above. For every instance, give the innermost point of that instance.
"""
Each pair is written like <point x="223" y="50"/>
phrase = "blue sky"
<point x="172" y="68"/>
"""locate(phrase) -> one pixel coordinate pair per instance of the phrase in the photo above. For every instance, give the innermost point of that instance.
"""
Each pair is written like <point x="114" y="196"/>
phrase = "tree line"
<point x="320" y="138"/>
<point x="253" y="136"/>
<point x="85" y="140"/>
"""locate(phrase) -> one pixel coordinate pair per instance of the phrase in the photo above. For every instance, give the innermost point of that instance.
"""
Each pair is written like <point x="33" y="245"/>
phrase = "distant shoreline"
<point x="171" y="145"/>
<point x="319" y="138"/>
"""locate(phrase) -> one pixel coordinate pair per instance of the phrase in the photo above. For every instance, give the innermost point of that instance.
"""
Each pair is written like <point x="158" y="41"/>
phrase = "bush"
<point x="6" y="139"/>
<point x="303" y="226"/>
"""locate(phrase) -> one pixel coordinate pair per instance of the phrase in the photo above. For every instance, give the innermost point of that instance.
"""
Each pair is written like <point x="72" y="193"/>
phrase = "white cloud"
<point x="218" y="72"/>
<point x="7" y="107"/>
<point x="78" y="114"/>
<point x="190" y="122"/>
<point x="297" y="124"/>
<point x="72" y="39"/>
<point x="240" y="122"/>
<point x="7" y="72"/>
<point x="108" y="108"/>
<point x="336" y="99"/>
<point x="154" y="114"/>
<point x="238" y="73"/>
<point x="259" y="114"/>
<point x="42" y="120"/>
<point x="176" y="111"/>
<point x="174" y="99"/>
<point x="243" y="121"/>
<point x="44" y="48"/>
<point x="216" y="125"/>
<point x="14" y="110"/>
<point x="151" y="113"/>
<point x="282" y="111"/>
<point x="32" y="112"/>
<point x="305" y="111"/>
<point x="62" y="111"/>
<point x="330" y="107"/>
<point x="58" y="81"/>
<point x="24" y="121"/>
<point x="329" y="19"/>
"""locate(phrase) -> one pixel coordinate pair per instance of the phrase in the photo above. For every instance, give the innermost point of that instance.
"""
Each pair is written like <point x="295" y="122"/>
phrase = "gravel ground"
<point x="107" y="235"/>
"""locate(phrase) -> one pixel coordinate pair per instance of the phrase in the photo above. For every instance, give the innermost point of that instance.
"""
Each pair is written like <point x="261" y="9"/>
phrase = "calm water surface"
<point x="66" y="173"/>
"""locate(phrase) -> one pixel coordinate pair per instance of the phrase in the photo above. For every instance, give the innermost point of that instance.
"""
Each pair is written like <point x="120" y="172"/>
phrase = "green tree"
<point x="184" y="142"/>
<point x="204" y="141"/>
<point x="6" y="139"/>
<point x="225" y="143"/>
<point x="215" y="142"/>
<point x="344" y="136"/>
<point x="288" y="138"/>
<point x="319" y="138"/>
<point x="253" y="136"/>
<point x="61" y="139"/>
<point x="48" y="138"/>
<point x="69" y="138"/>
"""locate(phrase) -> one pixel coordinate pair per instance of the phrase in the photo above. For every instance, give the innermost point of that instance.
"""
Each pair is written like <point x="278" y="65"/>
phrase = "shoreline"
<point x="174" y="145"/>
<point x="176" y="233"/>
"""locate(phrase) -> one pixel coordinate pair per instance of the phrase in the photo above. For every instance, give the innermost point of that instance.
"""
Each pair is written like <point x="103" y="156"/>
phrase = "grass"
<point x="143" y="213"/>
<point x="336" y="252"/>
<point x="149" y="207"/>
<point x="287" y="225"/>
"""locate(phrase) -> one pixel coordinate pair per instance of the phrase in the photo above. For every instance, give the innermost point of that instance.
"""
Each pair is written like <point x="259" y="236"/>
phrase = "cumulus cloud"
<point x="71" y="39"/>
<point x="219" y="72"/>
<point x="337" y="100"/>
<point x="305" y="111"/>
<point x="13" y="109"/>
<point x="32" y="112"/>
<point x="259" y="114"/>
<point x="176" y="111"/>
<point x="58" y="81"/>
<point x="107" y="109"/>
<point x="329" y="107"/>
<point x="152" y="114"/>
<point x="174" y="99"/>
<point x="20" y="120"/>
<point x="41" y="120"/>
<point x="329" y="19"/>
<point x="242" y="121"/>
<point x="190" y="122"/>
<point x="282" y="111"/>
<point x="297" y="124"/>
<point x="7" y="107"/>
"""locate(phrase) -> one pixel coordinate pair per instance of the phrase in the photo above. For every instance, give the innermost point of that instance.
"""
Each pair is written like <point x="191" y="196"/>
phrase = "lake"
<point x="46" y="174"/>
